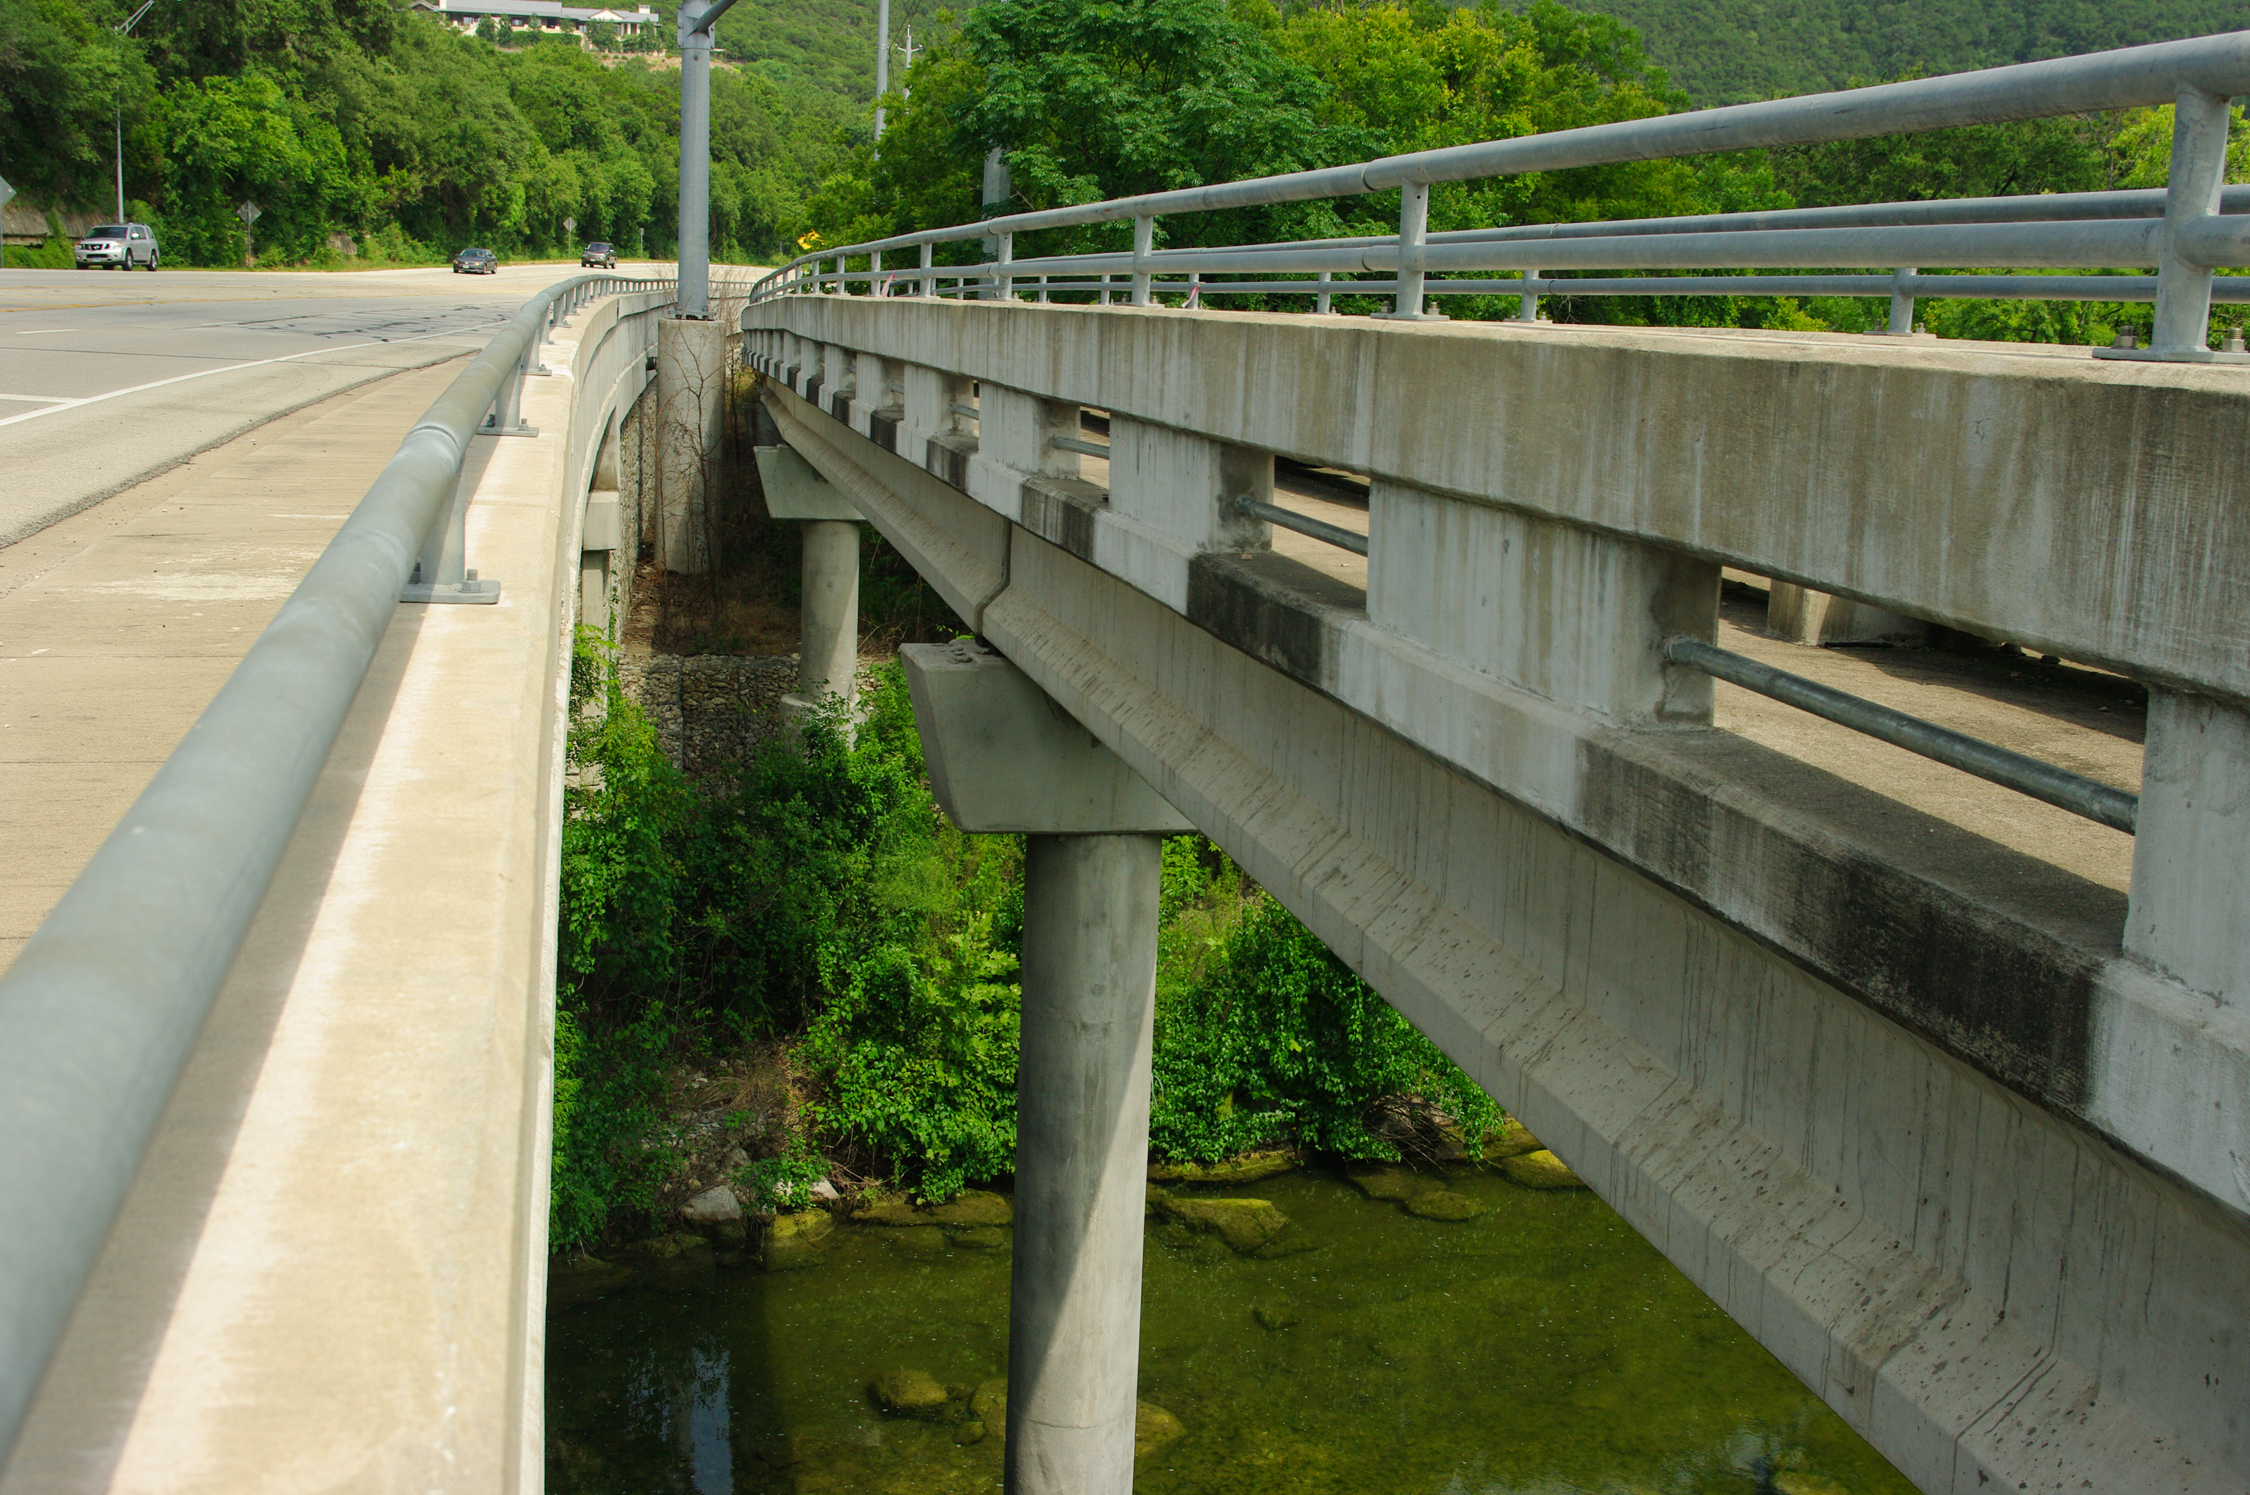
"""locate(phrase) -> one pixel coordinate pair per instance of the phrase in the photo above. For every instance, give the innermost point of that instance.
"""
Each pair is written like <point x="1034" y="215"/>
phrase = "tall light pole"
<point x="125" y="28"/>
<point x="882" y="60"/>
<point x="695" y="155"/>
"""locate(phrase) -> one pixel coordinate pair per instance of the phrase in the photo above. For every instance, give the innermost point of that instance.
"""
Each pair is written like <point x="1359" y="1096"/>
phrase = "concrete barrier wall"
<point x="1921" y="1124"/>
<point x="330" y="1274"/>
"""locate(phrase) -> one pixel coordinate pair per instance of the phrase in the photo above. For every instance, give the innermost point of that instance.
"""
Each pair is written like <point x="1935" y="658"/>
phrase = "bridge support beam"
<point x="828" y="625"/>
<point x="1003" y="757"/>
<point x="691" y="359"/>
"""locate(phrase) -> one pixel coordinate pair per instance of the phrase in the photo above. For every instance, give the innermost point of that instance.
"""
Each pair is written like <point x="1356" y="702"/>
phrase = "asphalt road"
<point x="108" y="378"/>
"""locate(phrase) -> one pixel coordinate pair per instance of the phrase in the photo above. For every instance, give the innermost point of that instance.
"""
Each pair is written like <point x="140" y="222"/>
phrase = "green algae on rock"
<point x="1540" y="1170"/>
<point x="989" y="1405"/>
<point x="1153" y="1427"/>
<point x="792" y="1241"/>
<point x="978" y="1238"/>
<point x="973" y="1207"/>
<point x="1244" y="1224"/>
<point x="581" y="1279"/>
<point x="1247" y="1169"/>
<point x="1388" y="1182"/>
<point x="1443" y="1204"/>
<point x="1512" y="1139"/>
<point x="909" y="1393"/>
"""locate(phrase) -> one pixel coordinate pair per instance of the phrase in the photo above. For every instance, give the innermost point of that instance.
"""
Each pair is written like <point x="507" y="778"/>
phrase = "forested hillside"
<point x="347" y="121"/>
<point x="1727" y="51"/>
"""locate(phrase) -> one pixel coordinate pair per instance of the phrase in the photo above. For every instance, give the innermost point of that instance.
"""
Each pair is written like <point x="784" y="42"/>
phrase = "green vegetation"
<point x="818" y="904"/>
<point x="1728" y="51"/>
<point x="351" y="123"/>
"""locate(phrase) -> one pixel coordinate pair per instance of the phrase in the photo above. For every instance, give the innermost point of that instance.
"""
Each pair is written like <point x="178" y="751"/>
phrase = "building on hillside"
<point x="549" y="17"/>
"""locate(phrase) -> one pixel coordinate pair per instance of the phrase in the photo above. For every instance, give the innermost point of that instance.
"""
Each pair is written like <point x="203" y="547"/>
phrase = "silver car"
<point x="117" y="246"/>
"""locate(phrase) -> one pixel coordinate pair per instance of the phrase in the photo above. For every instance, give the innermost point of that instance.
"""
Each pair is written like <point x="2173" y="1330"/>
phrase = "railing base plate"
<point x="483" y="591"/>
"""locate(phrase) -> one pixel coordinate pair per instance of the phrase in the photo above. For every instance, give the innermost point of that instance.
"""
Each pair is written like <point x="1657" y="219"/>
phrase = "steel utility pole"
<point x="125" y="28"/>
<point x="695" y="155"/>
<point x="882" y="60"/>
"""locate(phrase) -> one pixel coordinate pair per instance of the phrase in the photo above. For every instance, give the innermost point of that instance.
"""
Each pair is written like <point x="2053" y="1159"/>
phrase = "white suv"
<point x="118" y="246"/>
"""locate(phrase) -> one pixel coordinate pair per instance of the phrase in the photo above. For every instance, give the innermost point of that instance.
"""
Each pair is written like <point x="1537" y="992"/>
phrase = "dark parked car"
<point x="475" y="262"/>
<point x="117" y="246"/>
<point x="604" y="255"/>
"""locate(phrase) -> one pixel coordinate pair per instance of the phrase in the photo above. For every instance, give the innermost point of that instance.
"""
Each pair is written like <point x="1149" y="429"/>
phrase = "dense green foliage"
<point x="347" y="119"/>
<point x="1727" y="51"/>
<point x="820" y="897"/>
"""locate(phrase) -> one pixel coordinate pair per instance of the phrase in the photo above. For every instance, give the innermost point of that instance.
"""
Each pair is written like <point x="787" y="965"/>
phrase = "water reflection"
<point x="1540" y="1347"/>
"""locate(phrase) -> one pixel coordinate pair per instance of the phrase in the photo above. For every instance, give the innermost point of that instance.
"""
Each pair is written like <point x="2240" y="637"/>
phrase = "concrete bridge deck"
<point x="1938" y="1090"/>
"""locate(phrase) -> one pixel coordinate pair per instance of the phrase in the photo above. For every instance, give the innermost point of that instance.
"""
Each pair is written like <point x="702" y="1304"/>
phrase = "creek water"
<point x="1537" y="1349"/>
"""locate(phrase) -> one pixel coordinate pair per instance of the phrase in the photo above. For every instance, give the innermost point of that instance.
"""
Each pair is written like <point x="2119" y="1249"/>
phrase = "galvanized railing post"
<point x="1527" y="310"/>
<point x="2200" y="123"/>
<point x="1413" y="232"/>
<point x="1144" y="240"/>
<point x="929" y="258"/>
<point x="1005" y="288"/>
<point x="1320" y="297"/>
<point x="1902" y="302"/>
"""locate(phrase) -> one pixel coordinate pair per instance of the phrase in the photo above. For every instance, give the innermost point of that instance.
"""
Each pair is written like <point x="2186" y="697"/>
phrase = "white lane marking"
<point x="35" y="399"/>
<point x="43" y="331"/>
<point x="386" y="342"/>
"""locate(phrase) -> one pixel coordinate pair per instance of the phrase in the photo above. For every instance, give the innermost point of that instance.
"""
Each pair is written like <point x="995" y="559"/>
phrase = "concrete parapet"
<point x="1577" y="617"/>
<point x="2190" y="915"/>
<point x="1908" y="1114"/>
<point x="330" y="1273"/>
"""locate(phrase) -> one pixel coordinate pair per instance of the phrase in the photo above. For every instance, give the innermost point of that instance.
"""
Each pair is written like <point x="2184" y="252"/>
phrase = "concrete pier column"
<point x="1082" y="1095"/>
<point x="2190" y="900"/>
<point x="1003" y="757"/>
<point x="828" y="624"/>
<point x="691" y="358"/>
<point x="1801" y="615"/>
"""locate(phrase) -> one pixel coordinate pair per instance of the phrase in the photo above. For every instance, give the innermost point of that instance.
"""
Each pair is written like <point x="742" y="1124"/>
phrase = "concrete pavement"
<point x="107" y="379"/>
<point x="119" y="624"/>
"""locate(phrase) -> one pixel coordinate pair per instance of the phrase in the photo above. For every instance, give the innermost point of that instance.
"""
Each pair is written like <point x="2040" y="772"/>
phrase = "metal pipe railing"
<point x="2185" y="231"/>
<point x="2042" y="781"/>
<point x="1303" y="524"/>
<point x="103" y="1003"/>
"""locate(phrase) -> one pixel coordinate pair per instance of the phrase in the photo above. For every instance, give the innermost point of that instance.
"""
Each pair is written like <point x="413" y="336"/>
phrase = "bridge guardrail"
<point x="102" y="1006"/>
<point x="2182" y="231"/>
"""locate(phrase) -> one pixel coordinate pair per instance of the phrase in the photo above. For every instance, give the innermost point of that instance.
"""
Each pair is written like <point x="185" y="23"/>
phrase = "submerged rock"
<point x="969" y="1432"/>
<point x="1153" y="1427"/>
<point x="1789" y="1482"/>
<point x="1540" y="1170"/>
<point x="1290" y="1242"/>
<point x="989" y="1405"/>
<point x="795" y="1240"/>
<point x="1511" y="1140"/>
<point x="1274" y="1317"/>
<point x="1444" y="1204"/>
<point x="581" y="1279"/>
<point x="978" y="1238"/>
<point x="1244" y="1224"/>
<point x="918" y="1240"/>
<point x="1247" y="1169"/>
<point x="909" y="1393"/>
<point x="679" y="1245"/>
<point x="975" y="1207"/>
<point x="1388" y="1182"/>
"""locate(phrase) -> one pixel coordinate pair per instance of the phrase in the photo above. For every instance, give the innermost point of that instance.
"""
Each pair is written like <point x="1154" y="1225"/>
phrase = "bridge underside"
<point x="1941" y="1241"/>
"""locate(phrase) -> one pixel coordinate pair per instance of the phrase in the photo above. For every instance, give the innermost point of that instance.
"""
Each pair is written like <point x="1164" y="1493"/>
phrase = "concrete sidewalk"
<point x="118" y="625"/>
